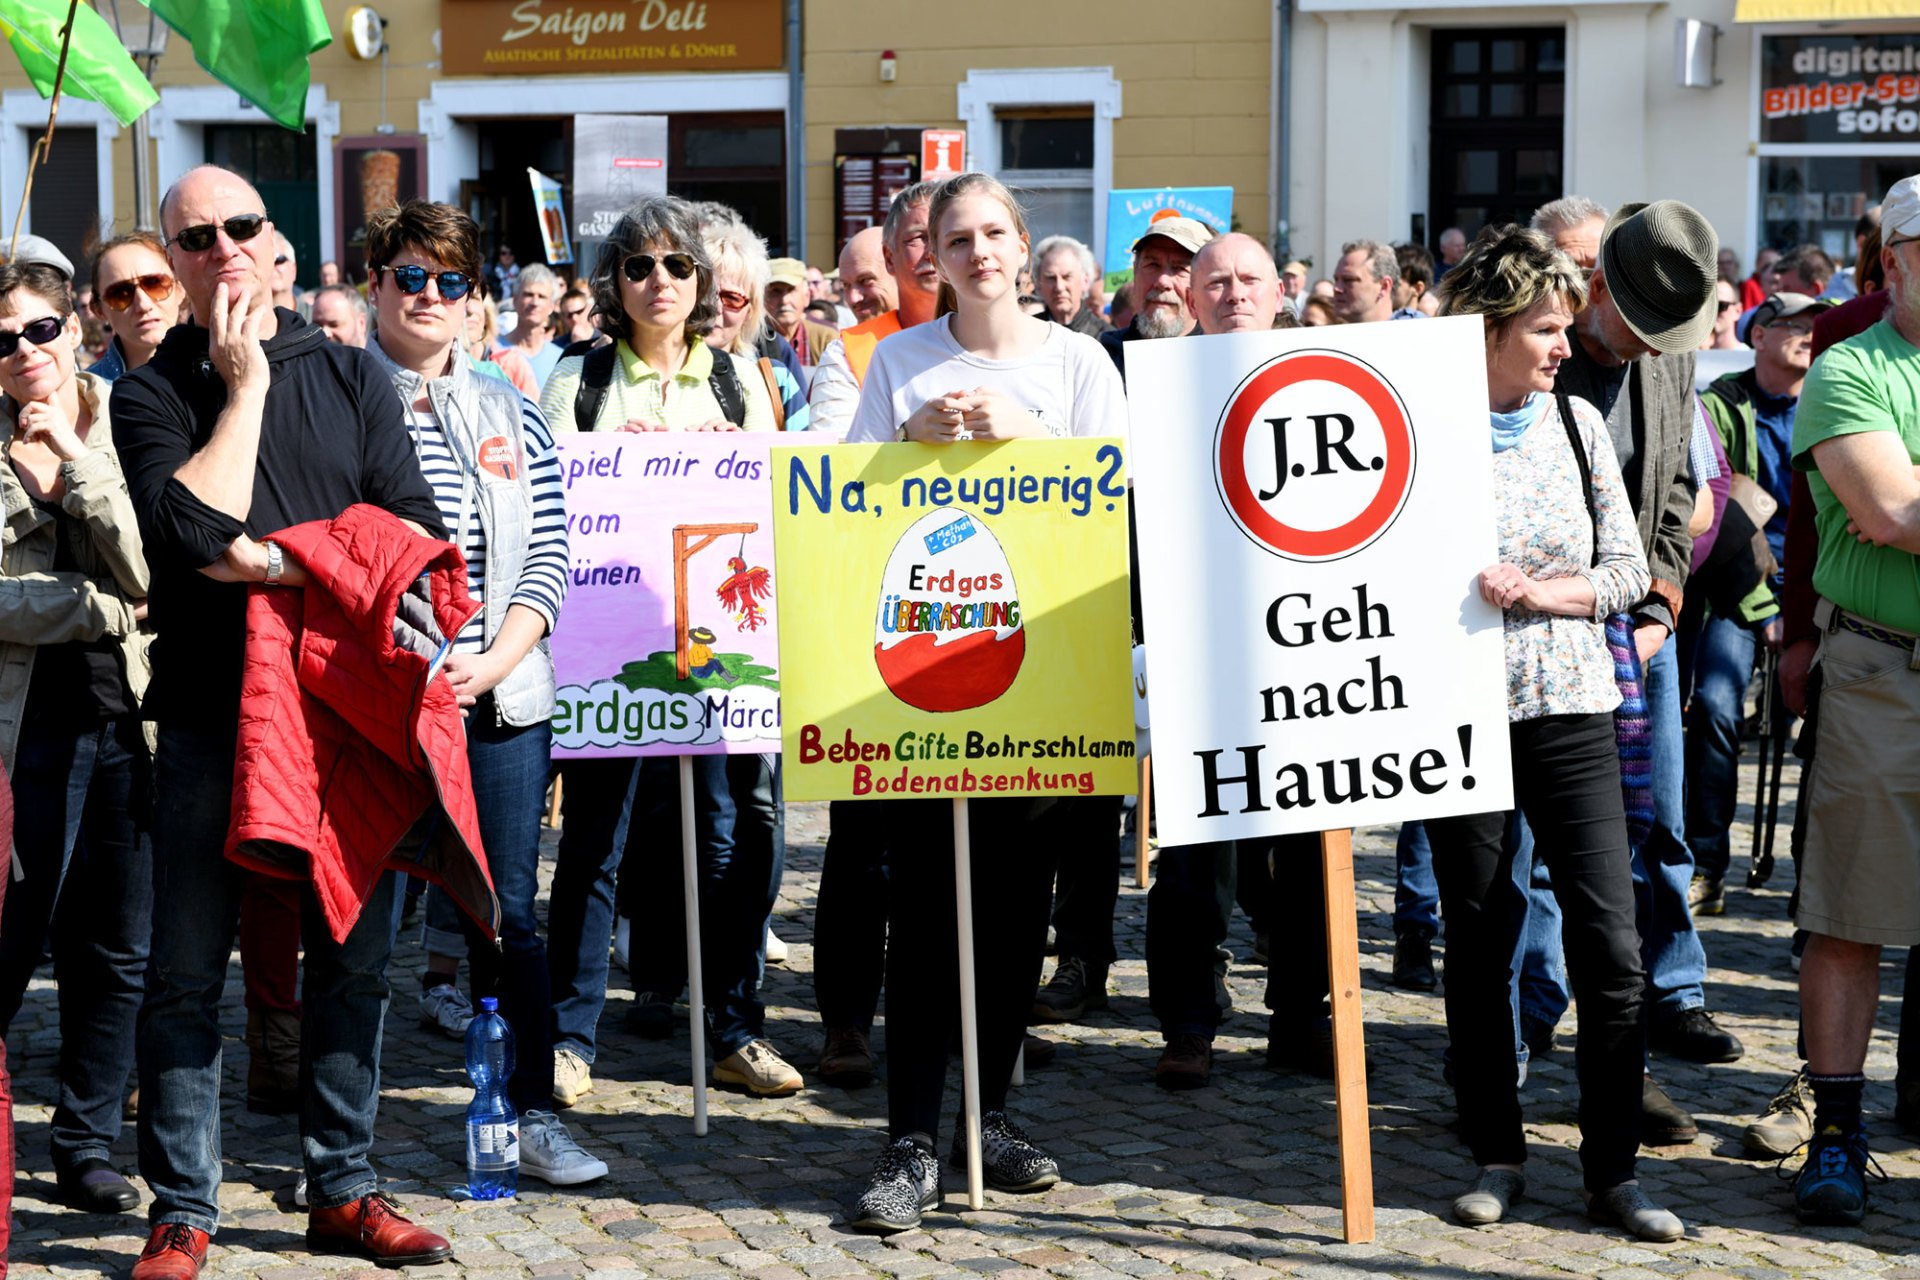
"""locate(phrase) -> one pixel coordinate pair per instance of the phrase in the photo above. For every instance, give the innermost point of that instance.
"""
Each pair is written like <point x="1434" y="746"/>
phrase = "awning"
<point x="1824" y="10"/>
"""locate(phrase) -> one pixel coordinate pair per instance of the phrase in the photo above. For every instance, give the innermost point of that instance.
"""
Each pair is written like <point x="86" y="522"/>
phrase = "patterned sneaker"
<point x="446" y="1010"/>
<point x="549" y="1152"/>
<point x="1008" y="1159"/>
<point x="572" y="1077"/>
<point x="905" y="1183"/>
<point x="1830" y="1190"/>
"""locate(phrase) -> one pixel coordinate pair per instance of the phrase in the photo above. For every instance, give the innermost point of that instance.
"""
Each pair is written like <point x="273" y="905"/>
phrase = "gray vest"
<point x="471" y="410"/>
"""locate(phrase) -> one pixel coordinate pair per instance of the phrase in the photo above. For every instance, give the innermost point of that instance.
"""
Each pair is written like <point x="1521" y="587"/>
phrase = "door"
<point x="283" y="168"/>
<point x="66" y="194"/>
<point x="1498" y="126"/>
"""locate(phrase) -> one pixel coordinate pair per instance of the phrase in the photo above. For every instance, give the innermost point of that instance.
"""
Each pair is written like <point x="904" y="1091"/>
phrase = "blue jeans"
<point x="1416" y="895"/>
<point x="596" y="808"/>
<point x="89" y="883"/>
<point x="1722" y="668"/>
<point x="196" y="906"/>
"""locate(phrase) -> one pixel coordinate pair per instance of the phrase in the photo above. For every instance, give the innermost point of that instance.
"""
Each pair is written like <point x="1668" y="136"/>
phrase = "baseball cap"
<point x="1661" y="262"/>
<point x="40" y="249"/>
<point x="1189" y="233"/>
<point x="790" y="271"/>
<point x="1782" y="306"/>
<point x="1900" y="211"/>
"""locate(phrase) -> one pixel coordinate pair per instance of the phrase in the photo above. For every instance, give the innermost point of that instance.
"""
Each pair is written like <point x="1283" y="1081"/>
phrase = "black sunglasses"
<point x="39" y="332"/>
<point x="453" y="285"/>
<point x="640" y="266"/>
<point x="200" y="237"/>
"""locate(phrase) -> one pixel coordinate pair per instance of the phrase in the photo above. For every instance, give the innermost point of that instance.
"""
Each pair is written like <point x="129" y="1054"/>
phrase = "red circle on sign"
<point x="1395" y="477"/>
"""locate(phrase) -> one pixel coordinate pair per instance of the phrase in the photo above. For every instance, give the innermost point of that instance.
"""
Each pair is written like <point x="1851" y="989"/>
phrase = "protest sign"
<point x="965" y="626"/>
<point x="1314" y="510"/>
<point x="669" y="641"/>
<point x="553" y="218"/>
<point x="1131" y="210"/>
<point x="617" y="162"/>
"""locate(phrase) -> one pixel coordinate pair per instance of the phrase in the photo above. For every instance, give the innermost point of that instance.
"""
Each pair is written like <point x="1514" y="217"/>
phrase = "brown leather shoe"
<point x="847" y="1060"/>
<point x="175" y="1251"/>
<point x="371" y="1227"/>
<point x="273" y="1062"/>
<point x="1186" y="1062"/>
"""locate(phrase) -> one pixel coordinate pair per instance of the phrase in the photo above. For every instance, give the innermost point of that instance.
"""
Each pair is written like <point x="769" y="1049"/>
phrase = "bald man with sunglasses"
<point x="244" y="423"/>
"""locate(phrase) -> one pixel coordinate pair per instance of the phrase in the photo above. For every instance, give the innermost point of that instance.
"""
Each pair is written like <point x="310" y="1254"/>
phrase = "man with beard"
<point x="1162" y="267"/>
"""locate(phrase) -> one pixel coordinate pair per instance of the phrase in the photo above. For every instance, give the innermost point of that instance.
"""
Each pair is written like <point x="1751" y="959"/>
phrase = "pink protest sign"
<point x="666" y="645"/>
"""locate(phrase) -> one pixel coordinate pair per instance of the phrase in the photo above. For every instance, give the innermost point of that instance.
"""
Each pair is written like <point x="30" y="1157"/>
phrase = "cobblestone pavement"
<point x="1234" y="1180"/>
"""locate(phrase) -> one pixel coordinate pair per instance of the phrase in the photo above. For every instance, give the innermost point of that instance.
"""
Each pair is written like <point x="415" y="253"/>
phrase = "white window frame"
<point x="180" y="123"/>
<point x="23" y="116"/>
<point x="981" y="95"/>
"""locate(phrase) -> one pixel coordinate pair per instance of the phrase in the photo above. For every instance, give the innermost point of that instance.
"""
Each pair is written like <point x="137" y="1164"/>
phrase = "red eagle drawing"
<point x="742" y="592"/>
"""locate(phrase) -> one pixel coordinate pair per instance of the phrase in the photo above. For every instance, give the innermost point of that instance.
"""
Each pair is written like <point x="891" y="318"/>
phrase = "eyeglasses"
<point x="733" y="301"/>
<point x="119" y="295"/>
<point x="640" y="266"/>
<point x="281" y="260"/>
<point x="453" y="285"/>
<point x="1730" y="304"/>
<point x="39" y="332"/>
<point x="200" y="237"/>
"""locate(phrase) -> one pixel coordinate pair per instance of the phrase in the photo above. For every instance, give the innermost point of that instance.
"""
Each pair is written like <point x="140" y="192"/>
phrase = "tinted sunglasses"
<point x="640" y="266"/>
<point x="39" y="332"/>
<point x="200" y="237"/>
<point x="119" y="294"/>
<point x="453" y="285"/>
<point x="733" y="301"/>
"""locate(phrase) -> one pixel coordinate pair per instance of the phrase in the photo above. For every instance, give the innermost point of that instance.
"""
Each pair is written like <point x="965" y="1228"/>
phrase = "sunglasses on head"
<point x="39" y="332"/>
<point x="200" y="237"/>
<point x="640" y="266"/>
<point x="453" y="285"/>
<point x="119" y="295"/>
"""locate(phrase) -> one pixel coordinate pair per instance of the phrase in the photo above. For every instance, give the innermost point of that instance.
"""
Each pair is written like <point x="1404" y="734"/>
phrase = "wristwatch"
<point x="276" y="561"/>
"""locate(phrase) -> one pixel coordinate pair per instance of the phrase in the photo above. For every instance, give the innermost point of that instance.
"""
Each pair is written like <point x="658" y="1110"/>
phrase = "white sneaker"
<point x="446" y="1010"/>
<point x="776" y="949"/>
<point x="572" y="1078"/>
<point x="300" y="1192"/>
<point x="622" y="942"/>
<point x="549" y="1153"/>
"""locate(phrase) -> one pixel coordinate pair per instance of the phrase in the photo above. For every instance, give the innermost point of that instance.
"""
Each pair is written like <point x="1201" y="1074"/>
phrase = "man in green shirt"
<point x="1858" y="432"/>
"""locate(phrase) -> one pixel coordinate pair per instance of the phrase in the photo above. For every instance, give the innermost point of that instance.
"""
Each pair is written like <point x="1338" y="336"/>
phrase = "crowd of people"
<point x="226" y="443"/>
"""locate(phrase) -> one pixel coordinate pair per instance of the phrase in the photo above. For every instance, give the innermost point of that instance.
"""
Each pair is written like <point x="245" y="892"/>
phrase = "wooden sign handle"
<point x="1349" y="1039"/>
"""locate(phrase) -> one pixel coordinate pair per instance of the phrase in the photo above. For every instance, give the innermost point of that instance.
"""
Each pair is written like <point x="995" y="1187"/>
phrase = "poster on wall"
<point x="371" y="174"/>
<point x="617" y="160"/>
<point x="553" y="218"/>
<point x="964" y="632"/>
<point x="1131" y="210"/>
<point x="670" y="644"/>
<point x="1332" y="665"/>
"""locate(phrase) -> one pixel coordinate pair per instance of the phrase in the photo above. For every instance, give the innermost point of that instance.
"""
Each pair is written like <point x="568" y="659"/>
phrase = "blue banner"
<point x="1131" y="210"/>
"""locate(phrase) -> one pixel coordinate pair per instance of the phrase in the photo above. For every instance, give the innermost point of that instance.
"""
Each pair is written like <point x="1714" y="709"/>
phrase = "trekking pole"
<point x="1778" y="746"/>
<point x="1762" y="869"/>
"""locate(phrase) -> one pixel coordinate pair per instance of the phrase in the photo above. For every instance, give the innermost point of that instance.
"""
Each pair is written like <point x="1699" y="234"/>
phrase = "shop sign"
<point x="1839" y="88"/>
<point x="574" y="37"/>
<point x="943" y="152"/>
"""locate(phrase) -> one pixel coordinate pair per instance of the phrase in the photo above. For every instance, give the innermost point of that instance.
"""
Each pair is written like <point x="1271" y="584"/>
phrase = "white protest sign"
<point x="1315" y="507"/>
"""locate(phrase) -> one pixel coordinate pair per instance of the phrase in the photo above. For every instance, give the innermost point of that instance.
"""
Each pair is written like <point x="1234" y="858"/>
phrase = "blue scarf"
<point x="1509" y="427"/>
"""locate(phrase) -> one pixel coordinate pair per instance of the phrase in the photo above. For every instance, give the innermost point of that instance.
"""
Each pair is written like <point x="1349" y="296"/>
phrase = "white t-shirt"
<point x="1070" y="383"/>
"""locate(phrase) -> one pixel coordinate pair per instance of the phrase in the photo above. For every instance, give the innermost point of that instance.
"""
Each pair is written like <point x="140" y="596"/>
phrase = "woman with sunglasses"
<point x="653" y="289"/>
<point x="73" y="666"/>
<point x="740" y="275"/>
<point x="487" y="455"/>
<point x="136" y="296"/>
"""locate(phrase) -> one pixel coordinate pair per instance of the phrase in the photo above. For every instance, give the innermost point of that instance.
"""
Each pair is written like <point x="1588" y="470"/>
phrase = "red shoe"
<point x="371" y="1227"/>
<point x="175" y="1251"/>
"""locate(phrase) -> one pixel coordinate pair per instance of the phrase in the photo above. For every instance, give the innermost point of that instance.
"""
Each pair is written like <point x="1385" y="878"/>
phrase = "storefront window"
<point x="1047" y="154"/>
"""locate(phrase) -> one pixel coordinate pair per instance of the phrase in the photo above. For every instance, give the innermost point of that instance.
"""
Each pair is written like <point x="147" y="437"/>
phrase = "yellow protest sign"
<point x="954" y="619"/>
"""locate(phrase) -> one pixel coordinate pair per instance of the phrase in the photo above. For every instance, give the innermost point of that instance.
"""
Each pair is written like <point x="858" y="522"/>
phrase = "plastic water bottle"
<point x="493" y="1127"/>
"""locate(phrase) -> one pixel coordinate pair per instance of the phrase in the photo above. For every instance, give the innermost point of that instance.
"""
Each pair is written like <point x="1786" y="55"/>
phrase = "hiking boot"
<point x="372" y="1228"/>
<point x="1413" y="961"/>
<point x="1692" y="1034"/>
<point x="1707" y="896"/>
<point x="1831" y="1188"/>
<point x="651" y="1017"/>
<point x="1626" y="1205"/>
<point x="1186" y="1062"/>
<point x="273" y="1061"/>
<point x="549" y="1152"/>
<point x="175" y="1251"/>
<point x="1009" y="1161"/>
<point x="1305" y="1047"/>
<point x="758" y="1069"/>
<point x="1787" y="1123"/>
<point x="1662" y="1122"/>
<point x="1075" y="988"/>
<point x="1493" y="1193"/>
<point x="905" y="1183"/>
<point x="572" y="1077"/>
<point x="847" y="1060"/>
<point x="444" y="1009"/>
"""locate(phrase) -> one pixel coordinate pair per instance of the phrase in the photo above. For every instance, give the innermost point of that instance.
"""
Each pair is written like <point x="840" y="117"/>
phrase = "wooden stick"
<point x="969" y="1026"/>
<point x="696" y="995"/>
<point x="1349" y="1037"/>
<point x="44" y="146"/>
<point x="1142" y="851"/>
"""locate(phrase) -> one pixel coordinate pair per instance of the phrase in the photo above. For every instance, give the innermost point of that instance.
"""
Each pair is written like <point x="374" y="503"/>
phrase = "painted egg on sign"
<point x="947" y="635"/>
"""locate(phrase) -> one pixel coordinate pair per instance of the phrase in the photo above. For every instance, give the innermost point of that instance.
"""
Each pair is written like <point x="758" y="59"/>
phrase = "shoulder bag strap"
<point x="724" y="382"/>
<point x="1565" y="403"/>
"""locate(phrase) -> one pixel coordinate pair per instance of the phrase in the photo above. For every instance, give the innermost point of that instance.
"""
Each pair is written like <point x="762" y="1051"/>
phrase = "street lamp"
<point x="144" y="34"/>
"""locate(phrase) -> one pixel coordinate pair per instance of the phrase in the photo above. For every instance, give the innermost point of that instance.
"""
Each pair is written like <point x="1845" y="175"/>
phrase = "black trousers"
<point x="1566" y="779"/>
<point x="1088" y="889"/>
<point x="1014" y="846"/>
<point x="850" y="915"/>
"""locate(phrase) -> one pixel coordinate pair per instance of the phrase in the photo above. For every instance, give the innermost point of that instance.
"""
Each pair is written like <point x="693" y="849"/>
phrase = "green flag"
<point x="259" y="47"/>
<point x="99" y="68"/>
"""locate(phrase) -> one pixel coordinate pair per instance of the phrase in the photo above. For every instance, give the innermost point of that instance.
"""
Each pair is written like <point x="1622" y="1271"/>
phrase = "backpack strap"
<point x="1565" y="403"/>
<point x="724" y="382"/>
<point x="596" y="375"/>
<point x="773" y="393"/>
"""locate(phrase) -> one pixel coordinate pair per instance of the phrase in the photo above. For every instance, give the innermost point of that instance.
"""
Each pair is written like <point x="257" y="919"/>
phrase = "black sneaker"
<point x="1301" y="1046"/>
<point x="1413" y="961"/>
<point x="1008" y="1159"/>
<point x="1662" y="1122"/>
<point x="1693" y="1035"/>
<point x="1075" y="988"/>
<point x="905" y="1183"/>
<point x="1830" y="1189"/>
<point x="1906" y="1104"/>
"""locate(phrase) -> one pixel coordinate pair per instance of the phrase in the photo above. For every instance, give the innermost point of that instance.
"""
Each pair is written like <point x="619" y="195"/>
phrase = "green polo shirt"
<point x="1870" y="382"/>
